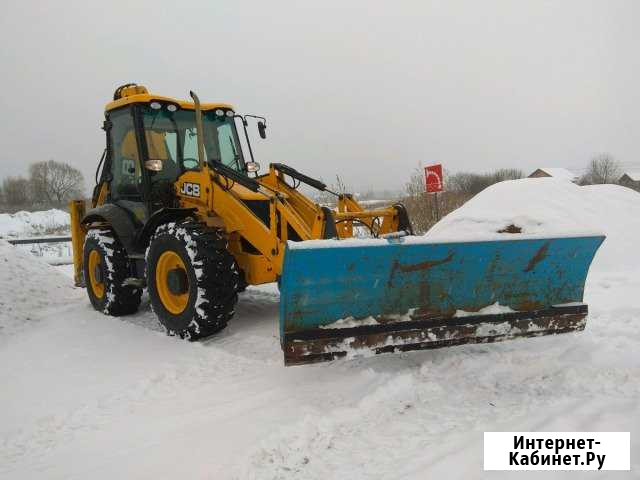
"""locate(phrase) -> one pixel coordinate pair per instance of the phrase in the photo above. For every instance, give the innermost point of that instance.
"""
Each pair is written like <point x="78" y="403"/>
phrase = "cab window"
<point x="228" y="150"/>
<point x="190" y="148"/>
<point x="221" y="137"/>
<point x="126" y="181"/>
<point x="170" y="137"/>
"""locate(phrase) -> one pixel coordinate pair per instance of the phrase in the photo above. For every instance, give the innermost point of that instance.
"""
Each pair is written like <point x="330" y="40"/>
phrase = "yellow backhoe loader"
<point x="179" y="210"/>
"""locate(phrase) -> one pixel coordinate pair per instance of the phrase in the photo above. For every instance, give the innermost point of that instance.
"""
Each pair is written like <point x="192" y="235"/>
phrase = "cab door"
<point x="126" y="176"/>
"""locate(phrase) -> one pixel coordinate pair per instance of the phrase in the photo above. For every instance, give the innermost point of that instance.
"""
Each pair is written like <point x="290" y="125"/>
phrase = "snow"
<point x="27" y="285"/>
<point x="351" y="322"/>
<point x="39" y="224"/>
<point x="560" y="173"/>
<point x="428" y="239"/>
<point x="66" y="269"/>
<point x="371" y="201"/>
<point x="550" y="208"/>
<point x="90" y="396"/>
<point x="539" y="206"/>
<point x="29" y="224"/>
<point x="494" y="309"/>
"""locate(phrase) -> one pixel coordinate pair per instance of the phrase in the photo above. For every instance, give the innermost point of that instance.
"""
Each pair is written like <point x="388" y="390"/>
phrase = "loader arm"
<point x="308" y="214"/>
<point x="257" y="238"/>
<point x="349" y="212"/>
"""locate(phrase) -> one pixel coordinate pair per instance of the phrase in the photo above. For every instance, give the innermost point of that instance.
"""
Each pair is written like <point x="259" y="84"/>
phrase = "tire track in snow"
<point x="411" y="410"/>
<point x="209" y="366"/>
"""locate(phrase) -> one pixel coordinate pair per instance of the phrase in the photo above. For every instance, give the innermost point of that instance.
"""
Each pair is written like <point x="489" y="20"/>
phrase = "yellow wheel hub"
<point x="95" y="274"/>
<point x="174" y="300"/>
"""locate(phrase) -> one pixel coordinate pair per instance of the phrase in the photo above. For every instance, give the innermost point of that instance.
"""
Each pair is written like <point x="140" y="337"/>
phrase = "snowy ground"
<point x="89" y="396"/>
<point x="29" y="224"/>
<point x="52" y="222"/>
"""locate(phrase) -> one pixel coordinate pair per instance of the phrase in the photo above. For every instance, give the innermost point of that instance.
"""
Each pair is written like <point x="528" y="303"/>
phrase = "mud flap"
<point x="352" y="297"/>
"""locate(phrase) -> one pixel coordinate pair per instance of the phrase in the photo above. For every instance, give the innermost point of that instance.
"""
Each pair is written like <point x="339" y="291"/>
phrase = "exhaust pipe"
<point x="199" y="128"/>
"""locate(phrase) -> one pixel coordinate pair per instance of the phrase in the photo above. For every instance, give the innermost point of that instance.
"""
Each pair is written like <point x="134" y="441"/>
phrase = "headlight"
<point x="220" y="113"/>
<point x="230" y="113"/>
<point x="154" y="165"/>
<point x="155" y="105"/>
<point x="172" y="108"/>
<point x="253" y="166"/>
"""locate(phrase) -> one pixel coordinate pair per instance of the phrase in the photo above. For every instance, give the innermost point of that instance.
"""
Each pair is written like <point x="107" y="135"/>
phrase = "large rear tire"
<point x="106" y="266"/>
<point x="192" y="279"/>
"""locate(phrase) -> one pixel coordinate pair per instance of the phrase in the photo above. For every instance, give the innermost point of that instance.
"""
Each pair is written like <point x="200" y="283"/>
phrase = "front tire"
<point x="192" y="279"/>
<point x="106" y="266"/>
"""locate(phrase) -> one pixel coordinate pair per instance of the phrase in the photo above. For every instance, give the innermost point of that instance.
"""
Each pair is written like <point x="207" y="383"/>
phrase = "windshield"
<point x="221" y="139"/>
<point x="172" y="137"/>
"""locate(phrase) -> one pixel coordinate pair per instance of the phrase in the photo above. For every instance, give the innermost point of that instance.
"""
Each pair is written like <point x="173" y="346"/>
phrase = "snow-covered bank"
<point x="540" y="206"/>
<point x="92" y="396"/>
<point x="550" y="207"/>
<point x="37" y="224"/>
<point x="28" y="286"/>
<point x="31" y="224"/>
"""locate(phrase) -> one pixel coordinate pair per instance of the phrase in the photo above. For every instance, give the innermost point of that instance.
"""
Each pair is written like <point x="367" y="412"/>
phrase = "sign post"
<point x="434" y="184"/>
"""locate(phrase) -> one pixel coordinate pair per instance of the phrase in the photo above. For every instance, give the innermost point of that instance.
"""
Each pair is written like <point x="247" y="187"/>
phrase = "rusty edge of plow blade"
<point x="319" y="345"/>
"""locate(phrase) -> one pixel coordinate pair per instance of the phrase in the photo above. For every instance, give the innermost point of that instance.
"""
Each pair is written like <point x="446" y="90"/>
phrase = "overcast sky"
<point x="367" y="90"/>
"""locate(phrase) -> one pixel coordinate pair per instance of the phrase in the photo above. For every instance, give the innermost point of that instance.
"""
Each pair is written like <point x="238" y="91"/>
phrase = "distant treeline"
<point x="49" y="184"/>
<point x="461" y="187"/>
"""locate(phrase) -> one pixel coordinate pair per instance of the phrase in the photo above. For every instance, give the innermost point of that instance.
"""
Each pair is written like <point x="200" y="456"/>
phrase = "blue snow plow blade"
<point x="350" y="297"/>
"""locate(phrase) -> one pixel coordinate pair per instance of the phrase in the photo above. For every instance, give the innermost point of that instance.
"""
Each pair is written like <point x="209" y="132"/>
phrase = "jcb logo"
<point x="190" y="189"/>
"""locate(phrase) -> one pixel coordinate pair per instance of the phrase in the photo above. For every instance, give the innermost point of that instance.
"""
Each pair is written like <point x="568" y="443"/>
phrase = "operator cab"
<point x="171" y="139"/>
<point x="152" y="141"/>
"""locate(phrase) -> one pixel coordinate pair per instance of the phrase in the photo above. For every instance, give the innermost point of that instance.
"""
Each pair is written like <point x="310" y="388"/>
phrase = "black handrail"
<point x="28" y="241"/>
<point x="234" y="175"/>
<point x="293" y="173"/>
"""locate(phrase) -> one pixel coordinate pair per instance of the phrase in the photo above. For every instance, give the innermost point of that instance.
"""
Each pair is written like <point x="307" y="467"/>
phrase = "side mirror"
<point x="262" y="127"/>
<point x="253" y="166"/>
<point x="153" y="165"/>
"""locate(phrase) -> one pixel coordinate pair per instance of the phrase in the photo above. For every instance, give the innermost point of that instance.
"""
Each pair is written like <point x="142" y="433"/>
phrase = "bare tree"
<point x="54" y="182"/>
<point x="421" y="205"/>
<point x="15" y="191"/>
<point x="326" y="198"/>
<point x="603" y="168"/>
<point x="507" y="174"/>
<point x="473" y="183"/>
<point x="340" y="186"/>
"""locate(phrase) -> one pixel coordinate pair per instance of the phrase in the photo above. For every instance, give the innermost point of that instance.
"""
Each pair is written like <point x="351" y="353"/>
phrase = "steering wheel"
<point x="190" y="163"/>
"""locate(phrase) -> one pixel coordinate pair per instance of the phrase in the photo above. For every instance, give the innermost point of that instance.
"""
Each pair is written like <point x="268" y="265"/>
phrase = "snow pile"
<point x="28" y="285"/>
<point x="29" y="224"/>
<point x="536" y="205"/>
<point x="550" y="207"/>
